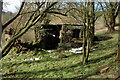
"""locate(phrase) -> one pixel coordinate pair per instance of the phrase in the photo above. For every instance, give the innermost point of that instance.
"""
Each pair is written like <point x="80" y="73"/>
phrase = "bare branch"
<point x="11" y="20"/>
<point x="57" y="13"/>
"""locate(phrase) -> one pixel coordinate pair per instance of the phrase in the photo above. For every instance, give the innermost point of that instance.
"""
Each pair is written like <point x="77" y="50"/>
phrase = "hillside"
<point x="51" y="65"/>
<point x="6" y="16"/>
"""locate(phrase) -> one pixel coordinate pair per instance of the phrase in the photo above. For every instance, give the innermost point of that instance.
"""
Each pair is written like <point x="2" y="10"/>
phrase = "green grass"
<point x="51" y="66"/>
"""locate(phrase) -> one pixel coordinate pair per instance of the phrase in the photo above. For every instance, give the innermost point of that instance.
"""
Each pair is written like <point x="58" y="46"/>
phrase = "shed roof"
<point x="61" y="19"/>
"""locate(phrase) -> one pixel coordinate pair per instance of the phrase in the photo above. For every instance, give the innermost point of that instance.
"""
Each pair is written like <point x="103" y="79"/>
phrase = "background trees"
<point x="110" y="12"/>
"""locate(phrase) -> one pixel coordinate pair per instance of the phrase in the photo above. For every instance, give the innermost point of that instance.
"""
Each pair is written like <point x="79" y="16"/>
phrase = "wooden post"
<point x="81" y="34"/>
<point x="62" y="34"/>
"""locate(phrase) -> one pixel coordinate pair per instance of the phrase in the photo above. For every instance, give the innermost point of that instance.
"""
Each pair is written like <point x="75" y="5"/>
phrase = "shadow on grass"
<point x="102" y="38"/>
<point x="86" y="76"/>
<point x="96" y="60"/>
<point x="117" y="24"/>
<point x="101" y="58"/>
<point x="39" y="61"/>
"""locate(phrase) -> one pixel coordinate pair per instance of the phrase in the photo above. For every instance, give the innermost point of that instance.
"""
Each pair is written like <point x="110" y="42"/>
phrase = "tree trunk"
<point x="1" y="4"/>
<point x="92" y="22"/>
<point x="110" y="14"/>
<point x="27" y="26"/>
<point x="88" y="34"/>
<point x="1" y="19"/>
<point x="33" y="19"/>
<point x="84" y="46"/>
<point x="111" y="27"/>
<point x="16" y="16"/>
<point x="87" y="49"/>
<point x="118" y="52"/>
<point x="84" y="39"/>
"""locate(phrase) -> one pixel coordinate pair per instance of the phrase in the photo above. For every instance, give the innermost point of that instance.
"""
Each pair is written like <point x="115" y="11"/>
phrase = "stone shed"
<point x="58" y="30"/>
<point x="53" y="36"/>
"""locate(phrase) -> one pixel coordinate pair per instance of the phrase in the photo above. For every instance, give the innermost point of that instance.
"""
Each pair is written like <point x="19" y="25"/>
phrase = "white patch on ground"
<point x="32" y="59"/>
<point x="76" y="50"/>
<point x="94" y="49"/>
<point x="49" y="51"/>
<point x="53" y="35"/>
<point x="36" y="59"/>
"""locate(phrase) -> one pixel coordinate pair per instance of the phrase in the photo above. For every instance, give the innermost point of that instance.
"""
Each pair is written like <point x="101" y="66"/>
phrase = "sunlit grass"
<point x="51" y="66"/>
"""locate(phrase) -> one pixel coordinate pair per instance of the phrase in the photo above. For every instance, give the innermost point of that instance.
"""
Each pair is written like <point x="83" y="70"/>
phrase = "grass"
<point x="51" y="66"/>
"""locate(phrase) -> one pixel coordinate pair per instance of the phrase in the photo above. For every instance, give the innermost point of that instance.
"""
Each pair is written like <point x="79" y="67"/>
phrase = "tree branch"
<point x="117" y="11"/>
<point x="57" y="13"/>
<point x="10" y="21"/>
<point x="27" y="26"/>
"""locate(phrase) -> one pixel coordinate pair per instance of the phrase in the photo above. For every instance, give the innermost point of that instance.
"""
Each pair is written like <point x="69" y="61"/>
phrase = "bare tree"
<point x="88" y="33"/>
<point x="11" y="20"/>
<point x="35" y="15"/>
<point x="84" y="13"/>
<point x="110" y="12"/>
<point x="32" y="20"/>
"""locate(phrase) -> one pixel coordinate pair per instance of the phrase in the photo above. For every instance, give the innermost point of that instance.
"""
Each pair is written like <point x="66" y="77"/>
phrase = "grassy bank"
<point x="51" y="65"/>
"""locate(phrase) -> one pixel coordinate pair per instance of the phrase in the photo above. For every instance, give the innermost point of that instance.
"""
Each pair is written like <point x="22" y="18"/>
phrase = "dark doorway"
<point x="52" y="39"/>
<point x="76" y="33"/>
